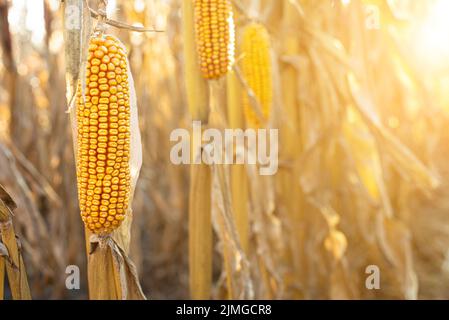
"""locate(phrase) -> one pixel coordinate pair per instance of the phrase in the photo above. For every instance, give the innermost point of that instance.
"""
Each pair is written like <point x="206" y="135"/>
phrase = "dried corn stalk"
<point x="239" y="180"/>
<point x="236" y="264"/>
<point x="10" y="252"/>
<point x="200" y="225"/>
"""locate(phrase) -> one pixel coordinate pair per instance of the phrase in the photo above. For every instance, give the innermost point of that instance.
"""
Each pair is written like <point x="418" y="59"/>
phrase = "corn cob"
<point x="103" y="122"/>
<point x="214" y="29"/>
<point x="257" y="71"/>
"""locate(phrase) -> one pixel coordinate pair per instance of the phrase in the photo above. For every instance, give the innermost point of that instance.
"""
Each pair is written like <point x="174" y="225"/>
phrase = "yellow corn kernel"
<point x="257" y="71"/>
<point x="99" y="133"/>
<point x="214" y="30"/>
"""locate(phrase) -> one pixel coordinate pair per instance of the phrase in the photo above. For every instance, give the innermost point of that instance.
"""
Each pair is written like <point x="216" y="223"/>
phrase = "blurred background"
<point x="361" y="101"/>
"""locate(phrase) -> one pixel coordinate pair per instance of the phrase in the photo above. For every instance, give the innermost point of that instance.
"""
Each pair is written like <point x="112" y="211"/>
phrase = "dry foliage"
<point x="362" y="174"/>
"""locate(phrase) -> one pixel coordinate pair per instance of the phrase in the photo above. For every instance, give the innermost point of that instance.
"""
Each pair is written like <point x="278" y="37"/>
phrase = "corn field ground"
<point x="93" y="206"/>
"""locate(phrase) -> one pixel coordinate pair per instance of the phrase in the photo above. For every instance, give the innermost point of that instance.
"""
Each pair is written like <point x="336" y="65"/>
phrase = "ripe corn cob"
<point x="257" y="71"/>
<point x="214" y="29"/>
<point x="103" y="120"/>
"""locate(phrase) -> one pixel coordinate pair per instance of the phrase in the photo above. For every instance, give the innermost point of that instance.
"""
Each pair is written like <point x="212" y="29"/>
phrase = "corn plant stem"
<point x="200" y="224"/>
<point x="239" y="183"/>
<point x="102" y="278"/>
<point x="292" y="195"/>
<point x="200" y="232"/>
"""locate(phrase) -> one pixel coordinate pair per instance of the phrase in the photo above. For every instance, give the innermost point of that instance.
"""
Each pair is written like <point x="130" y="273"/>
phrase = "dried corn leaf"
<point x="399" y="237"/>
<point x="340" y="283"/>
<point x="43" y="255"/>
<point x="7" y="199"/>
<point x="15" y="270"/>
<point x="363" y="150"/>
<point x="15" y="267"/>
<point x="406" y="163"/>
<point x="236" y="264"/>
<point x="3" y="257"/>
<point x="267" y="231"/>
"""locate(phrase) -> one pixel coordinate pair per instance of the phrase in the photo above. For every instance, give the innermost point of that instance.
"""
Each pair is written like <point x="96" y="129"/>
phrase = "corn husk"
<point x="111" y="274"/>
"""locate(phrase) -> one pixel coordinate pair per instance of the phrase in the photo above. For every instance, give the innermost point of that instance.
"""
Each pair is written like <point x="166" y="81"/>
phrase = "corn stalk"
<point x="10" y="252"/>
<point x="200" y="225"/>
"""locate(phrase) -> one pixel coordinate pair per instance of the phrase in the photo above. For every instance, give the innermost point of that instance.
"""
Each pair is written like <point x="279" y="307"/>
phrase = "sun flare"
<point x="432" y="38"/>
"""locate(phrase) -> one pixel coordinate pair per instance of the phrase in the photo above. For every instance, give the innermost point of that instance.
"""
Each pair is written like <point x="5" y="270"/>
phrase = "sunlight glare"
<point x="432" y="40"/>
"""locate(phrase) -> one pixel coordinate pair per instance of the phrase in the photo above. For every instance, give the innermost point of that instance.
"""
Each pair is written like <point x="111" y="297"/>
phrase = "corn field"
<point x="350" y="200"/>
